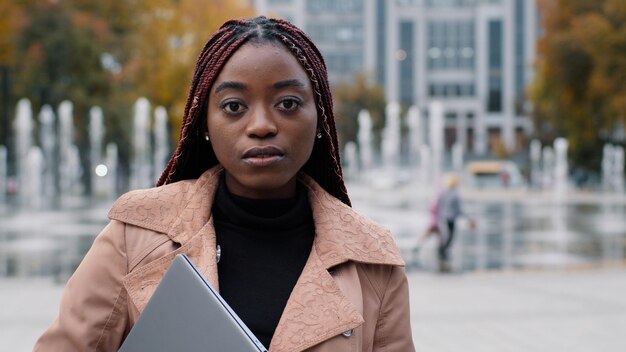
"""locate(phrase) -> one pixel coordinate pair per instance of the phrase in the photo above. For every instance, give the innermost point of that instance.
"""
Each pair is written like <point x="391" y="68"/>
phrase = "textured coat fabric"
<point x="352" y="294"/>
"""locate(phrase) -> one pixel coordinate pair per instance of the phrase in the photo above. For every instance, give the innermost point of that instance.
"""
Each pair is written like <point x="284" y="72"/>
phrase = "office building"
<point x="476" y="56"/>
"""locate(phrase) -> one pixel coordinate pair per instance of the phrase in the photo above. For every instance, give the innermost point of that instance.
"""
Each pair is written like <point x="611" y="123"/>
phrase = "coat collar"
<point x="317" y="309"/>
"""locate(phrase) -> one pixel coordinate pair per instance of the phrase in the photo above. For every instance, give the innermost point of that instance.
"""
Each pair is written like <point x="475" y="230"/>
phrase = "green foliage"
<point x="352" y="97"/>
<point x="579" y="89"/>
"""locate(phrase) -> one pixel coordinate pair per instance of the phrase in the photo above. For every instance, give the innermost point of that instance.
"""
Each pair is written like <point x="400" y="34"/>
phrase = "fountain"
<point x="364" y="139"/>
<point x="414" y="123"/>
<point x="548" y="167"/>
<point x="47" y="140"/>
<point x="3" y="175"/>
<point x="613" y="168"/>
<point x="607" y="166"/>
<point x="141" y="176"/>
<point x="351" y="158"/>
<point x="96" y="135"/>
<point x="110" y="175"/>
<point x="513" y="231"/>
<point x="560" y="167"/>
<point x="23" y="126"/>
<point x="436" y="139"/>
<point x="391" y="138"/>
<point x="618" y="169"/>
<point x="161" y="150"/>
<point x="69" y="165"/>
<point x="33" y="172"/>
<point x="535" y="163"/>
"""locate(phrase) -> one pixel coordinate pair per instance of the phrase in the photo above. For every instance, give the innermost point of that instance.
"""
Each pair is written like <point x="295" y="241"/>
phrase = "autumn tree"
<point x="170" y="36"/>
<point x="10" y="18"/>
<point x="579" y="89"/>
<point x="352" y="97"/>
<point x="108" y="53"/>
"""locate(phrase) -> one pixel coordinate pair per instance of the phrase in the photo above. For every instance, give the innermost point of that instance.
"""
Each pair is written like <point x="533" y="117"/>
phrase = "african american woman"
<point x="256" y="174"/>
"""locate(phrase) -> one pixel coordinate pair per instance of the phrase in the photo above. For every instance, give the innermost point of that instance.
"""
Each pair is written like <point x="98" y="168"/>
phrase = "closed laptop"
<point x="186" y="314"/>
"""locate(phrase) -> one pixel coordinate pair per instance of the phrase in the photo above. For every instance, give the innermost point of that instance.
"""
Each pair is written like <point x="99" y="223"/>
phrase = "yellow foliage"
<point x="170" y="36"/>
<point x="579" y="91"/>
<point x="10" y="15"/>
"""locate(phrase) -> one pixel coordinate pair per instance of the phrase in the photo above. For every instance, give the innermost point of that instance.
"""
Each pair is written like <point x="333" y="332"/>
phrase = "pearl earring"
<point x="206" y="137"/>
<point x="319" y="135"/>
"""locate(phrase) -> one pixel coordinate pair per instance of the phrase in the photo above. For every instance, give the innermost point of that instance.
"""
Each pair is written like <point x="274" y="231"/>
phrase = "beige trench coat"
<point x="352" y="294"/>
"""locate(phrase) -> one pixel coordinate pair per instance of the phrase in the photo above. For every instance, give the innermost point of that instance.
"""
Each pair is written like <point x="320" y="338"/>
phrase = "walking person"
<point x="450" y="209"/>
<point x="257" y="174"/>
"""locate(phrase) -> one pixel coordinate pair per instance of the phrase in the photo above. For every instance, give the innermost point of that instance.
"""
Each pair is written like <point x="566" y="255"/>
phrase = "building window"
<point x="451" y="45"/>
<point x="405" y="56"/>
<point x="335" y="32"/>
<point x="494" y="80"/>
<point x="343" y="63"/>
<point x="451" y="90"/>
<point x="451" y="3"/>
<point x="343" y="6"/>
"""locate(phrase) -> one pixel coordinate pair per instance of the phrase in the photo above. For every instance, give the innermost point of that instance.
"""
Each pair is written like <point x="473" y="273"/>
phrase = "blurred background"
<point x="523" y="100"/>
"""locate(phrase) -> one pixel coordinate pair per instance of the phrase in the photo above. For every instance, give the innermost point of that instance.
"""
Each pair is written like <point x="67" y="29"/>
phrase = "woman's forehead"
<point x="262" y="61"/>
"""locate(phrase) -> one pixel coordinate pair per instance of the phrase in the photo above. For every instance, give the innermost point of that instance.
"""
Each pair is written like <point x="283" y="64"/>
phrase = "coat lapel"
<point x="316" y="311"/>
<point x="141" y="283"/>
<point x="192" y="228"/>
<point x="317" y="308"/>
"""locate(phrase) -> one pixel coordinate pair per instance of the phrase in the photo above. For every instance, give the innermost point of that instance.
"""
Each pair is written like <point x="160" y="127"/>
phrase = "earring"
<point x="206" y="136"/>
<point x="319" y="135"/>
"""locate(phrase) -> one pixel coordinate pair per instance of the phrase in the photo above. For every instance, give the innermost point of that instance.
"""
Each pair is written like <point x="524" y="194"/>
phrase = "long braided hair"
<point x="193" y="155"/>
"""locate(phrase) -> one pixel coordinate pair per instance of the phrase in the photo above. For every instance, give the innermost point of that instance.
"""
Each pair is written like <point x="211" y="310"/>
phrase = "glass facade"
<point x="381" y="25"/>
<point x="337" y="28"/>
<point x="451" y="90"/>
<point x="402" y="3"/>
<point x="334" y="6"/>
<point x="520" y="54"/>
<point x="343" y="63"/>
<point x="406" y="56"/>
<point x="451" y="3"/>
<point x="335" y="32"/>
<point x="494" y="80"/>
<point x="451" y="45"/>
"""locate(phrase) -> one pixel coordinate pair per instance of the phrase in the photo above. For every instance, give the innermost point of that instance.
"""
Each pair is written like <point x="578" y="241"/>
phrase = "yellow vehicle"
<point x="493" y="174"/>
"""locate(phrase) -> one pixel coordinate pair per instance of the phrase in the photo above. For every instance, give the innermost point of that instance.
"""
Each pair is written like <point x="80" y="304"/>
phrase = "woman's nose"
<point x="261" y="123"/>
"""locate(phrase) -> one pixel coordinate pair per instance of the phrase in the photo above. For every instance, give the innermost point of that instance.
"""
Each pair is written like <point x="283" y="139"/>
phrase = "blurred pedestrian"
<point x="450" y="209"/>
<point x="433" y="222"/>
<point x="432" y="229"/>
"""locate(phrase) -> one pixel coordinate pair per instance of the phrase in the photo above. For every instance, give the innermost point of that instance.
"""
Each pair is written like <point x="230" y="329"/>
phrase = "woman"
<point x="256" y="178"/>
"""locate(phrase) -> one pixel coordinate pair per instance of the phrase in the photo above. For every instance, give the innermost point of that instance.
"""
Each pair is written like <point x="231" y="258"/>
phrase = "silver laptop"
<point x="186" y="314"/>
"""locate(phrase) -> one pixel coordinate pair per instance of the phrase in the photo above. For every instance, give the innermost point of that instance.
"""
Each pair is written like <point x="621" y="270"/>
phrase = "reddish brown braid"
<point x="194" y="155"/>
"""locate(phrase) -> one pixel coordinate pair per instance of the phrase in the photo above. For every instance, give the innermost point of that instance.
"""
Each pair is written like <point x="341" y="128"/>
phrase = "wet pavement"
<point x="504" y="311"/>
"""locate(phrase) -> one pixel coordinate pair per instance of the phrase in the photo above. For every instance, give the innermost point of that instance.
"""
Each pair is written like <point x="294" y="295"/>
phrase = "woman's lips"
<point x="263" y="156"/>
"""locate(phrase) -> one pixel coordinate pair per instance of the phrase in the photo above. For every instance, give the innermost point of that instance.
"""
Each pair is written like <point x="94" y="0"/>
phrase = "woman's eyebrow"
<point x="295" y="83"/>
<point x="229" y="85"/>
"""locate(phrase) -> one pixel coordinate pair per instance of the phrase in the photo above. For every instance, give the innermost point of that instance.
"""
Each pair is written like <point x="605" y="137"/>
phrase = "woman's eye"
<point x="289" y="104"/>
<point x="232" y="107"/>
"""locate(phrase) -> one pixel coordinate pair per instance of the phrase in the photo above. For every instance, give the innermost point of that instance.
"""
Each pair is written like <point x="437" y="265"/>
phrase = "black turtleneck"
<point x="264" y="246"/>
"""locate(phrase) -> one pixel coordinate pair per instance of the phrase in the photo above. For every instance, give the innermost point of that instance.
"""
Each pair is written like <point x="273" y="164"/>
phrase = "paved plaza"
<point x="500" y="311"/>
